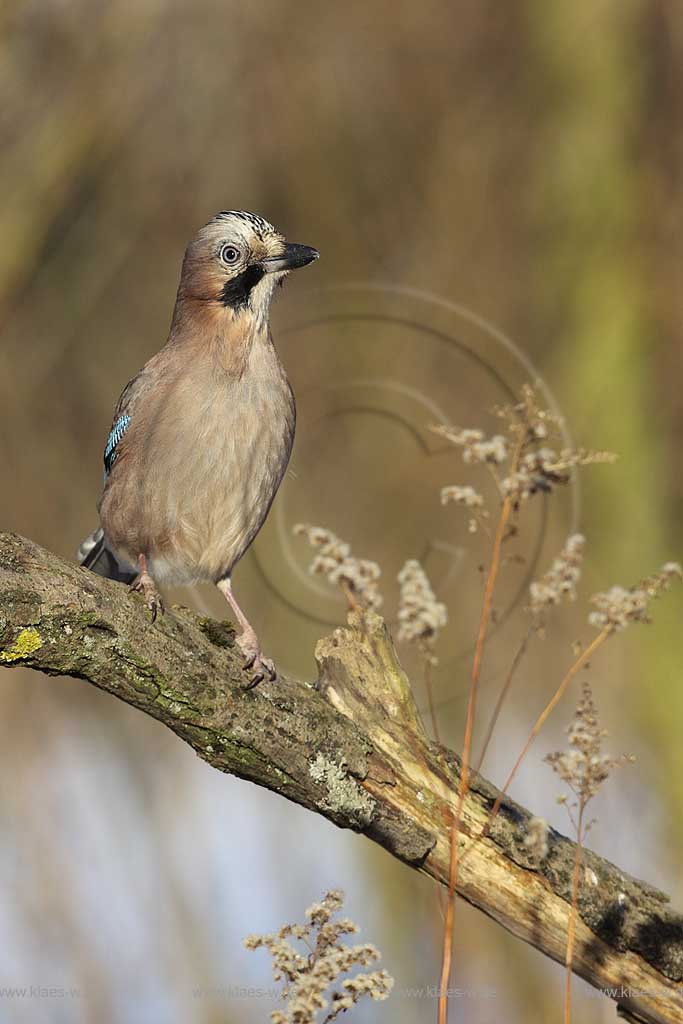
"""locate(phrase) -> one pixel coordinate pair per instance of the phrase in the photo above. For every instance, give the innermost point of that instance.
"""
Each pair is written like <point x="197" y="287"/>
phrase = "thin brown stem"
<point x="447" y="952"/>
<point x="582" y="660"/>
<point x="571" y="929"/>
<point x="521" y="651"/>
<point x="347" y="590"/>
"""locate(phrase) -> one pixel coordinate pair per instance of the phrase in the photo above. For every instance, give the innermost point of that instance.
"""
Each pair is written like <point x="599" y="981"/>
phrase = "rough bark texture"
<point x="350" y="747"/>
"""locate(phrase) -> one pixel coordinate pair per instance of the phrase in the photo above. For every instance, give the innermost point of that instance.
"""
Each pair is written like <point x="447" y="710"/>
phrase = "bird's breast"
<point x="207" y="466"/>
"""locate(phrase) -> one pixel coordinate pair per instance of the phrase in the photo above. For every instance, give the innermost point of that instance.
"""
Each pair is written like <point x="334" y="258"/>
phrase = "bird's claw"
<point x="155" y="605"/>
<point x="263" y="667"/>
<point x="145" y="586"/>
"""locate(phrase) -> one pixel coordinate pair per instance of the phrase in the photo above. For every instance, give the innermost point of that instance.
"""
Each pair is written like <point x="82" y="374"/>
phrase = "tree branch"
<point x="350" y="747"/>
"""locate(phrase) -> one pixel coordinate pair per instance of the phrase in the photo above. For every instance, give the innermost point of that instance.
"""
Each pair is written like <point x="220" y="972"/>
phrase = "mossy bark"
<point x="350" y="747"/>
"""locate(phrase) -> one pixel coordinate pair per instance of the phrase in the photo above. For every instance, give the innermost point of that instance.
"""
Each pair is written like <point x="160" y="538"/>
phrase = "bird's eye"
<point x="230" y="254"/>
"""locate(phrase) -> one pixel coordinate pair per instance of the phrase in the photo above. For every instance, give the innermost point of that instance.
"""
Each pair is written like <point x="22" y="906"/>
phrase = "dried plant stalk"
<point x="584" y="768"/>
<point x="309" y="975"/>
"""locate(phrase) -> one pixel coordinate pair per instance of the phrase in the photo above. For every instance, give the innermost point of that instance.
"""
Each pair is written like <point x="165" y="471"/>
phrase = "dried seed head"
<point x="420" y="615"/>
<point x="308" y="978"/>
<point x="583" y="766"/>
<point x="466" y="496"/>
<point x="617" y="607"/>
<point x="522" y="461"/>
<point x="336" y="562"/>
<point x="469" y="499"/>
<point x="476" y="447"/>
<point x="560" y="582"/>
<point x="320" y="913"/>
<point x="529" y="417"/>
<point x="542" y="469"/>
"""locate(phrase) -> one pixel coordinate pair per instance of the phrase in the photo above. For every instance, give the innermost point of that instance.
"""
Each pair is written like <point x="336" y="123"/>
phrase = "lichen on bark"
<point x="352" y="748"/>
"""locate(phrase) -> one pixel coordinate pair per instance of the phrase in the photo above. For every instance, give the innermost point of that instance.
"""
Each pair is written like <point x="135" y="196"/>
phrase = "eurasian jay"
<point x="201" y="437"/>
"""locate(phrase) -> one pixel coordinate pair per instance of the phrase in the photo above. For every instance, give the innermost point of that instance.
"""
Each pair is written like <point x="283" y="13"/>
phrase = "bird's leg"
<point x="145" y="584"/>
<point x="248" y="640"/>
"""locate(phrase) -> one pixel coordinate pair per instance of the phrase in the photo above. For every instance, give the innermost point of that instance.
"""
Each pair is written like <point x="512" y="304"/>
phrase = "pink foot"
<point x="263" y="667"/>
<point x="145" y="585"/>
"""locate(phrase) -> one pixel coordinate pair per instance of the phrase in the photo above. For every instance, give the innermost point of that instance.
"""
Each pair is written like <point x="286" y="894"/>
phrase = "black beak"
<point x="292" y="258"/>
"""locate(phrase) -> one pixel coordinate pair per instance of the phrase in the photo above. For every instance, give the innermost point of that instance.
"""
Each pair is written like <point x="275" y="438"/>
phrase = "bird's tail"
<point x="95" y="555"/>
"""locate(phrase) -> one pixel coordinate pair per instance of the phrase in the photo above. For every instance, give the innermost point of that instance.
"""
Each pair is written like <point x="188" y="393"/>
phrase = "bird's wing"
<point x="123" y="417"/>
<point x="94" y="553"/>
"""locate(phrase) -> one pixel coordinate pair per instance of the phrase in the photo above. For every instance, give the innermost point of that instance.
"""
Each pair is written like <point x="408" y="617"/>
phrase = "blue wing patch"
<point x="117" y="432"/>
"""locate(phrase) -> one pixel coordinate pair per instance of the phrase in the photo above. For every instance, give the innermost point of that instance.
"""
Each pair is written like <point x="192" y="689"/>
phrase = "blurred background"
<point x="495" y="191"/>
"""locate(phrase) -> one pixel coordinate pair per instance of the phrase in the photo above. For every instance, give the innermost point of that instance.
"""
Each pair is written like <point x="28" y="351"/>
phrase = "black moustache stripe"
<point x="236" y="292"/>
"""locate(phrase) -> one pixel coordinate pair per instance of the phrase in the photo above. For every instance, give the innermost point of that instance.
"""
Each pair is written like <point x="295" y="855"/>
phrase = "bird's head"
<point x="236" y="260"/>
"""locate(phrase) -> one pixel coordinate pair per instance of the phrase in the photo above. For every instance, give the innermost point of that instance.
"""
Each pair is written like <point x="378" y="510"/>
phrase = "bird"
<point x="202" y="435"/>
